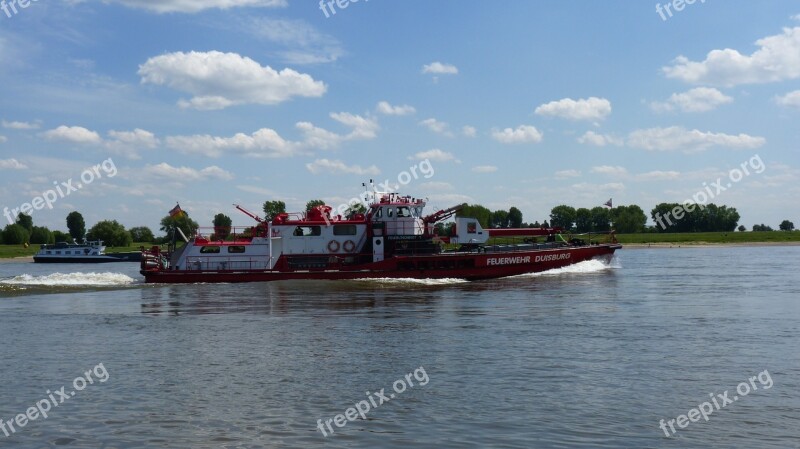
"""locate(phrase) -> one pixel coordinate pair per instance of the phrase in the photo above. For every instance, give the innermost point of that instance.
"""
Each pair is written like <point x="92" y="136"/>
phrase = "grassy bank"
<point x="11" y="251"/>
<point x="700" y="238"/>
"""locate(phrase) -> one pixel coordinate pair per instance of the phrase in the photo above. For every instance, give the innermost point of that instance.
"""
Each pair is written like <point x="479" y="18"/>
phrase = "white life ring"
<point x="349" y="246"/>
<point x="333" y="246"/>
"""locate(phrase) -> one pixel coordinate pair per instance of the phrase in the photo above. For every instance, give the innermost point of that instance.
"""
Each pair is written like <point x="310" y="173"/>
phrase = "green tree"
<point x="786" y="225"/>
<point x="476" y="211"/>
<point x="59" y="236"/>
<point x="762" y="228"/>
<point x="42" y="235"/>
<point x="182" y="221"/>
<point x="583" y="220"/>
<point x="273" y="208"/>
<point x="15" y="234"/>
<point x="76" y="226"/>
<point x="499" y="219"/>
<point x="142" y="234"/>
<point x="26" y="221"/>
<point x="562" y="216"/>
<point x="222" y="226"/>
<point x="601" y="219"/>
<point x="514" y="217"/>
<point x="355" y="209"/>
<point x="314" y="203"/>
<point x="111" y="233"/>
<point x="628" y="219"/>
<point x="742" y="228"/>
<point x="443" y="229"/>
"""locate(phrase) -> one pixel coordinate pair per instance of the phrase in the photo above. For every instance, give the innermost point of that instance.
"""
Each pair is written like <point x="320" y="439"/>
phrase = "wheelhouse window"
<point x="307" y="231"/>
<point x="403" y="211"/>
<point x="209" y="250"/>
<point x="238" y="249"/>
<point x="390" y="212"/>
<point x="344" y="230"/>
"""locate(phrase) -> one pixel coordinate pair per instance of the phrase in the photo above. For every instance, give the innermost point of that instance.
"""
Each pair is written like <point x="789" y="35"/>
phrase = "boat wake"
<point x="67" y="280"/>
<point x="413" y="281"/>
<point x="588" y="266"/>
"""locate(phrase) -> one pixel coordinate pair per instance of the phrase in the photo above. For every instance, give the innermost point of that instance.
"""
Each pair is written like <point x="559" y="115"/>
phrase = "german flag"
<point x="176" y="211"/>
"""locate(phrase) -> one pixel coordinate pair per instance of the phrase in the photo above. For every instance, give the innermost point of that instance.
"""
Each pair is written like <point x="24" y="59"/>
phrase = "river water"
<point x="590" y="356"/>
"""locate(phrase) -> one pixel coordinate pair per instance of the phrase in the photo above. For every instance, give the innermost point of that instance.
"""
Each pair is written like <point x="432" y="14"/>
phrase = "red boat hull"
<point x="469" y="266"/>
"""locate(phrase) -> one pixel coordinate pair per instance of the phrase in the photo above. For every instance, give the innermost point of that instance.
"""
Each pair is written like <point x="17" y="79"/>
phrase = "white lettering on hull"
<point x="508" y="260"/>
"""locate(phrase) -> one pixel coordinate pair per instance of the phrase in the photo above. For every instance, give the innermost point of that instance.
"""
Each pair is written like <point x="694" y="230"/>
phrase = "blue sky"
<point x="520" y="103"/>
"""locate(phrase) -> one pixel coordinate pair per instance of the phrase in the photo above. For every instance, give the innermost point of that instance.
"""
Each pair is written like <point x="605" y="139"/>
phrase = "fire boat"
<point x="392" y="239"/>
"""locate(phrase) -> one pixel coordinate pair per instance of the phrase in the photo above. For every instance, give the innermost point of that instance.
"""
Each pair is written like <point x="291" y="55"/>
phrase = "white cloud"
<point x="565" y="174"/>
<point x="302" y="43"/>
<point x="700" y="99"/>
<point x="434" y="155"/>
<point x="219" y="80"/>
<point x="21" y="125"/>
<point x="484" y="169"/>
<point x="193" y="6"/>
<point x="593" y="188"/>
<point x="12" y="164"/>
<point x="658" y="176"/>
<point x="387" y="109"/>
<point x="591" y="108"/>
<point x="523" y="134"/>
<point x="168" y="172"/>
<point x="436" y="126"/>
<point x="3" y="139"/>
<point x="73" y="134"/>
<point x="469" y="131"/>
<point x="338" y="167"/>
<point x="777" y="59"/>
<point x="436" y="186"/>
<point x="128" y="143"/>
<point x="792" y="99"/>
<point x="137" y="137"/>
<point x="600" y="140"/>
<point x="678" y="138"/>
<point x="610" y="170"/>
<point x="438" y="68"/>
<point x="796" y="17"/>
<point x="267" y="143"/>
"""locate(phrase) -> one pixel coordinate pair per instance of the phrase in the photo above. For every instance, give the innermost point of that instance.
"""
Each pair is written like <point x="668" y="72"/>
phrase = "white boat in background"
<point x="88" y="252"/>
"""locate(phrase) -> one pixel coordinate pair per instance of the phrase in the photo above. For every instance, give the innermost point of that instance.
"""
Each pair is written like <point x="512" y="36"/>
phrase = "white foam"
<point x="587" y="266"/>
<point x="401" y="281"/>
<point x="71" y="279"/>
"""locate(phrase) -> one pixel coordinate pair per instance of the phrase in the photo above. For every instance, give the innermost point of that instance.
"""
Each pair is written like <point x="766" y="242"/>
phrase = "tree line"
<point x="630" y="219"/>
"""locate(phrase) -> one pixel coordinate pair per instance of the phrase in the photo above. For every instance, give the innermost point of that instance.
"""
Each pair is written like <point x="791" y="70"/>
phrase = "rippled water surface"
<point x="590" y="356"/>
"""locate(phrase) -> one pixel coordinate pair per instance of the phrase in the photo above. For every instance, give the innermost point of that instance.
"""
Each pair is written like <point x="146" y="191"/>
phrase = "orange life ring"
<point x="333" y="246"/>
<point x="349" y="246"/>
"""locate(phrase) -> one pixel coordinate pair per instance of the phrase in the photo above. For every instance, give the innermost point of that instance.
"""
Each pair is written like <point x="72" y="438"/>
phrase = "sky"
<point x="120" y="109"/>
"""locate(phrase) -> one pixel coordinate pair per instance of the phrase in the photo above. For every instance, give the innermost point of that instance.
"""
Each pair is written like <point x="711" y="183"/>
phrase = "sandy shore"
<point x="17" y="259"/>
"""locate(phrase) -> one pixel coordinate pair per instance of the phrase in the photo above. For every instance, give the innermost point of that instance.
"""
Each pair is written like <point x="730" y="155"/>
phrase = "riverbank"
<point x="711" y="238"/>
<point x="20" y="253"/>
